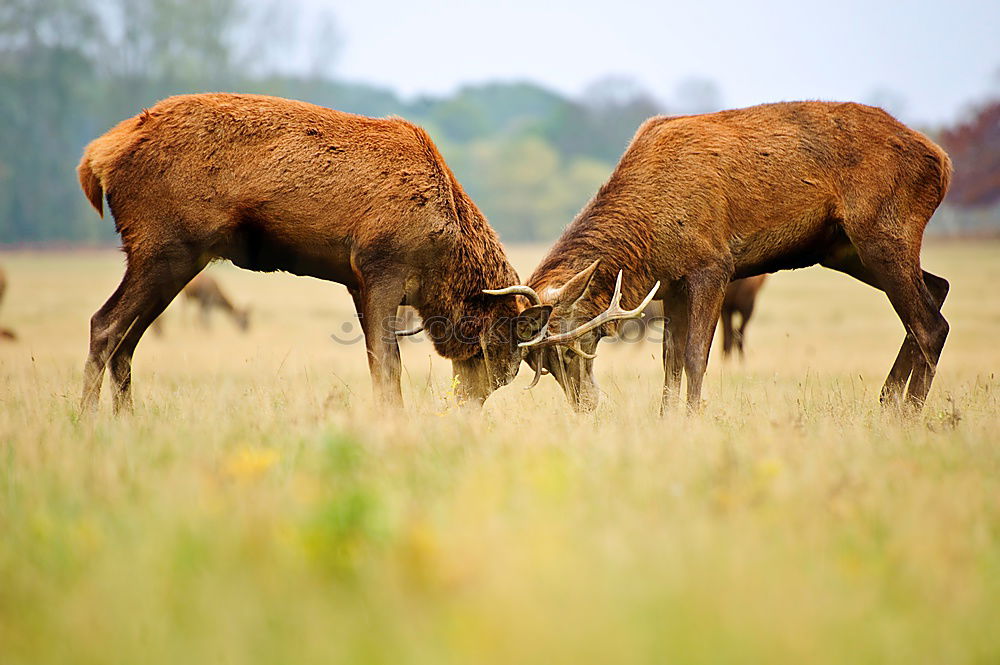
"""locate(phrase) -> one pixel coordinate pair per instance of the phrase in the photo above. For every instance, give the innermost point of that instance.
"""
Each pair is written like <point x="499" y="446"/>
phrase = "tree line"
<point x="70" y="69"/>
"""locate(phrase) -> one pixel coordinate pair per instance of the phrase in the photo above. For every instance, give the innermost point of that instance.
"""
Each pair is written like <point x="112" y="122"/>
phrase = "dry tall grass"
<point x="258" y="507"/>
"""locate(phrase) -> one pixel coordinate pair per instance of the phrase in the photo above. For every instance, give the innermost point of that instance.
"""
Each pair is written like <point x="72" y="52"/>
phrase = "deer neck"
<point x="618" y="245"/>
<point x="457" y="313"/>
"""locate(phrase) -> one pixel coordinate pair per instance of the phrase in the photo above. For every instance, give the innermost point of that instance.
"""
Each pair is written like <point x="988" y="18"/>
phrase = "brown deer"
<point x="274" y="184"/>
<point x="204" y="291"/>
<point x="5" y="333"/>
<point x="740" y="298"/>
<point x="699" y="200"/>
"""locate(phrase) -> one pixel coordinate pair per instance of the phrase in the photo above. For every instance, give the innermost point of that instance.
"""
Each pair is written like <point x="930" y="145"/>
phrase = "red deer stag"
<point x="274" y="184"/>
<point x="740" y="298"/>
<point x="699" y="200"/>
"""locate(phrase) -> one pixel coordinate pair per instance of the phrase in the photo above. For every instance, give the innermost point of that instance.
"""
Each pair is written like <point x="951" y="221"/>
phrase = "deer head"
<point x="555" y="335"/>
<point x="486" y="330"/>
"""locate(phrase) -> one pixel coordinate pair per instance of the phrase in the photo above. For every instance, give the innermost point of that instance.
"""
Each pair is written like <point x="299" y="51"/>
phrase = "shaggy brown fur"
<point x="698" y="200"/>
<point x="740" y="298"/>
<point x="273" y="184"/>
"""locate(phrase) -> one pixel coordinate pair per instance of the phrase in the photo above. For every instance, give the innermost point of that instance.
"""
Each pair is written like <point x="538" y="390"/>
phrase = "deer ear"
<point x="575" y="288"/>
<point x="532" y="322"/>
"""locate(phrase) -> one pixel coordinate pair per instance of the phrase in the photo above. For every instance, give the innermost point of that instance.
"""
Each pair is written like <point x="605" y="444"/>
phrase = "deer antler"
<point x="575" y="348"/>
<point x="538" y="374"/>
<point x="525" y="291"/>
<point x="411" y="331"/>
<point x="614" y="312"/>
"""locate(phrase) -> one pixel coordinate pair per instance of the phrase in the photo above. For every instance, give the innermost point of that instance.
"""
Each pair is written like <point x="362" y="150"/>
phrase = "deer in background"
<point x="697" y="201"/>
<point x="740" y="298"/>
<point x="274" y="184"/>
<point x="5" y="333"/>
<point x="204" y="291"/>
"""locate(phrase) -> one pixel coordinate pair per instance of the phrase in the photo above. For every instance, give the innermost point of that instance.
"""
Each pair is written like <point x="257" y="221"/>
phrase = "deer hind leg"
<point x="916" y="296"/>
<point x="908" y="362"/>
<point x="934" y="292"/>
<point x="706" y="292"/>
<point x="916" y="309"/>
<point x="845" y="259"/>
<point x="162" y="282"/>
<point x="675" y="332"/>
<point x="117" y="326"/>
<point x="377" y="301"/>
<point x="107" y="326"/>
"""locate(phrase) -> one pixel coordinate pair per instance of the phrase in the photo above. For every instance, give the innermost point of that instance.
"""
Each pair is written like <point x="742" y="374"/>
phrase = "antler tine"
<point x="517" y="290"/>
<point x="645" y="301"/>
<point x="614" y="312"/>
<point x="538" y="375"/>
<point x="540" y="371"/>
<point x="575" y="348"/>
<point x="616" y="297"/>
<point x="407" y="333"/>
<point x="535" y="340"/>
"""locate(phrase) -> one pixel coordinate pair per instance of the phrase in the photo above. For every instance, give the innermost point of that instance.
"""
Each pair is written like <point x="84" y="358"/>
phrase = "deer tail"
<point x="946" y="170"/>
<point x="91" y="184"/>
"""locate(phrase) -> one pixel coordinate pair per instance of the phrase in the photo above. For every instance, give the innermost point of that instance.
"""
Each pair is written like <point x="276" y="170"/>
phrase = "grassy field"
<point x="258" y="508"/>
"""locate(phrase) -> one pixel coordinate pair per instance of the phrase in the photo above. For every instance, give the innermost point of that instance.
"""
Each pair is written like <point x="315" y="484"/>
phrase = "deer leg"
<point x="929" y="329"/>
<point x="741" y="334"/>
<point x="727" y="331"/>
<point x="705" y="295"/>
<point x="938" y="288"/>
<point x="904" y="283"/>
<point x="908" y="364"/>
<point x="379" y="300"/>
<point x="122" y="314"/>
<point x="935" y="291"/>
<point x="917" y="297"/>
<point x="162" y="282"/>
<point x="675" y="331"/>
<point x="845" y="259"/>
<point x="899" y="373"/>
<point x="107" y="325"/>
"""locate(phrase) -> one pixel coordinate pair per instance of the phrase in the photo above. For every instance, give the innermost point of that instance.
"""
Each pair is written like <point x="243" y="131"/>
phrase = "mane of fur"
<point x="477" y="262"/>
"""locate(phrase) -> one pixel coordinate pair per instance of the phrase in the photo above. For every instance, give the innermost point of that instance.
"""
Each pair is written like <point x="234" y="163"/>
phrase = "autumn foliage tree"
<point x="974" y="146"/>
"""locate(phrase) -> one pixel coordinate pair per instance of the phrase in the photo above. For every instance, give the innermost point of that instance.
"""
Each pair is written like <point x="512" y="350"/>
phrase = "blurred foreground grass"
<point x="258" y="508"/>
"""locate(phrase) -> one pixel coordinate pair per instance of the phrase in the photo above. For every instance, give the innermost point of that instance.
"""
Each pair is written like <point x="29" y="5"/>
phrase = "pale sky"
<point x="937" y="56"/>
